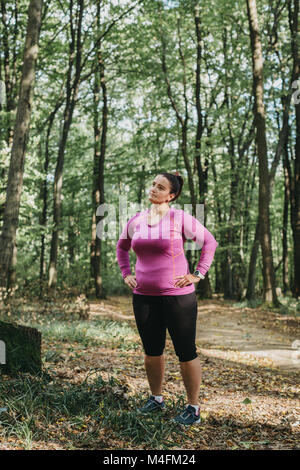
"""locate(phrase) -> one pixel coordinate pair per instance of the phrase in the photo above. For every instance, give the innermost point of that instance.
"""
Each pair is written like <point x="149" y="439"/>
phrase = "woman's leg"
<point x="152" y="329"/>
<point x="181" y="314"/>
<point x="155" y="369"/>
<point x="191" y="372"/>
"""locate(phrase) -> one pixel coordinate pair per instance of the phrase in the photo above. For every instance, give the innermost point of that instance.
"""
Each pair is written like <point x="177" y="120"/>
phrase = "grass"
<point x="93" y="332"/>
<point x="36" y="404"/>
<point x="43" y="407"/>
<point x="97" y="331"/>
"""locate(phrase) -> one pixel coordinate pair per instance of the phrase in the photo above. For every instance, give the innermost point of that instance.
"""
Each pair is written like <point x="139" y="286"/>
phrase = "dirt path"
<point x="246" y="335"/>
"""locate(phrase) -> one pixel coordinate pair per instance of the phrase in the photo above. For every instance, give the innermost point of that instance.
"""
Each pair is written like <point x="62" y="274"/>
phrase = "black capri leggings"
<point x="155" y="313"/>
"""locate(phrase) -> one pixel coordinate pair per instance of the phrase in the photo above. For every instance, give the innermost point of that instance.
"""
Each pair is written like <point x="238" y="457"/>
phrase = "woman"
<point x="163" y="288"/>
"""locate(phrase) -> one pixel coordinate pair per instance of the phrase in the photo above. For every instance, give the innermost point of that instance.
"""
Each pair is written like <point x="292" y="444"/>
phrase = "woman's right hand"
<point x="130" y="280"/>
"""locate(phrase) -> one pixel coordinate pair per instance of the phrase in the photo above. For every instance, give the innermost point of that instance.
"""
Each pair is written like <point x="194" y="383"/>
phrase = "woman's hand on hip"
<point x="186" y="280"/>
<point x="130" y="280"/>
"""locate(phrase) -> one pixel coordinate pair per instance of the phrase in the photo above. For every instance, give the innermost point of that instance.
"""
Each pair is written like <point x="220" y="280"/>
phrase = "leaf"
<point x="247" y="401"/>
<point x="204" y="414"/>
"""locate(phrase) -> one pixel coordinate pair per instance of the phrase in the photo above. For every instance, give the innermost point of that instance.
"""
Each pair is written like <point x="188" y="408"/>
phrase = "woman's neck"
<point x="159" y="209"/>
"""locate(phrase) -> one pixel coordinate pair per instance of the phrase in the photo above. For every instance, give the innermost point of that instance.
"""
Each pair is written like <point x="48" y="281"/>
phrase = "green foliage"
<point x="144" y="133"/>
<point x="252" y="303"/>
<point x="97" y="332"/>
<point x="247" y="401"/>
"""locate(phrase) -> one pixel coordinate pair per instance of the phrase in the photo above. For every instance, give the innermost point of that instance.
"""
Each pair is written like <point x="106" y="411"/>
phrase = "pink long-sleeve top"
<point x="160" y="253"/>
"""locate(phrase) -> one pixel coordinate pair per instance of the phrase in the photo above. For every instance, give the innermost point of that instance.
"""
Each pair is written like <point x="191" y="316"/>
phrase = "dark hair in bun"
<point x="176" y="182"/>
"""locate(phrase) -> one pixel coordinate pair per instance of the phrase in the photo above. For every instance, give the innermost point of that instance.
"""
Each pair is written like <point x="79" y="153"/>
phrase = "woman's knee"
<point x="186" y="356"/>
<point x="153" y="355"/>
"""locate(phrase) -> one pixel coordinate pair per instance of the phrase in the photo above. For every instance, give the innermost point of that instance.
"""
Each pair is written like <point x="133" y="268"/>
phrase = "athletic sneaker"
<point x="188" y="416"/>
<point x="151" y="405"/>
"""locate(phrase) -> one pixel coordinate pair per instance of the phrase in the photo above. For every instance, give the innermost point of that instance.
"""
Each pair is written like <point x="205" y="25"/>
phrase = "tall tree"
<point x="72" y="87"/>
<point x="204" y="287"/>
<point x="100" y="135"/>
<point x="44" y="191"/>
<point x="261" y="143"/>
<point x="295" y="182"/>
<point x="20" y="138"/>
<point x="281" y="149"/>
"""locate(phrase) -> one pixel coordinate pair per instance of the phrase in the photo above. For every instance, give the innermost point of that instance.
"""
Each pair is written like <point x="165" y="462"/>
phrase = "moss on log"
<point x="20" y="348"/>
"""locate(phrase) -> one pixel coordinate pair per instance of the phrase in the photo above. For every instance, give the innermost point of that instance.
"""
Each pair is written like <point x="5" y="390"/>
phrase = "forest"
<point x="97" y="98"/>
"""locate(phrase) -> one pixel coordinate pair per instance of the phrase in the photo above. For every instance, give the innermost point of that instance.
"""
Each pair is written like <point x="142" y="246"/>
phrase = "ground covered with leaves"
<point x="93" y="380"/>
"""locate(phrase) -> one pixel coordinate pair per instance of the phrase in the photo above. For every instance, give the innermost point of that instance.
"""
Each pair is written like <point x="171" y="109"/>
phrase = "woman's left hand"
<point x="186" y="280"/>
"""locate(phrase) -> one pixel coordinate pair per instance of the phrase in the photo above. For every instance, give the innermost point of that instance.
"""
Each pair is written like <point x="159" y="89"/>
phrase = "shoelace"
<point x="187" y="413"/>
<point x="149" y="403"/>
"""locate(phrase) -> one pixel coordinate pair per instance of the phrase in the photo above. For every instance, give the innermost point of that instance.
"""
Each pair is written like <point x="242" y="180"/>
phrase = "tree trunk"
<point x="10" y="70"/>
<point x="260" y="123"/>
<point x="21" y="346"/>
<point x="44" y="197"/>
<point x="280" y="148"/>
<point x="99" y="156"/>
<point x="141" y="185"/>
<point x="21" y="130"/>
<point x="202" y="175"/>
<point x="218" y="217"/>
<point x="71" y="233"/>
<point x="250" y="294"/>
<point x="203" y="288"/>
<point x="72" y="93"/>
<point x="285" y="263"/>
<point x="250" y="187"/>
<point x="295" y="187"/>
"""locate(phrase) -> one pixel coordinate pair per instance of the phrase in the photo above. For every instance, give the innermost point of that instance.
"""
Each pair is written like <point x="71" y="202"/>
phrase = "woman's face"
<point x="160" y="190"/>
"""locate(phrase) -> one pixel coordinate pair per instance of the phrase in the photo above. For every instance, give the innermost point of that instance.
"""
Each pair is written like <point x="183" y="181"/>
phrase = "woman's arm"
<point x="193" y="229"/>
<point x="122" y="249"/>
